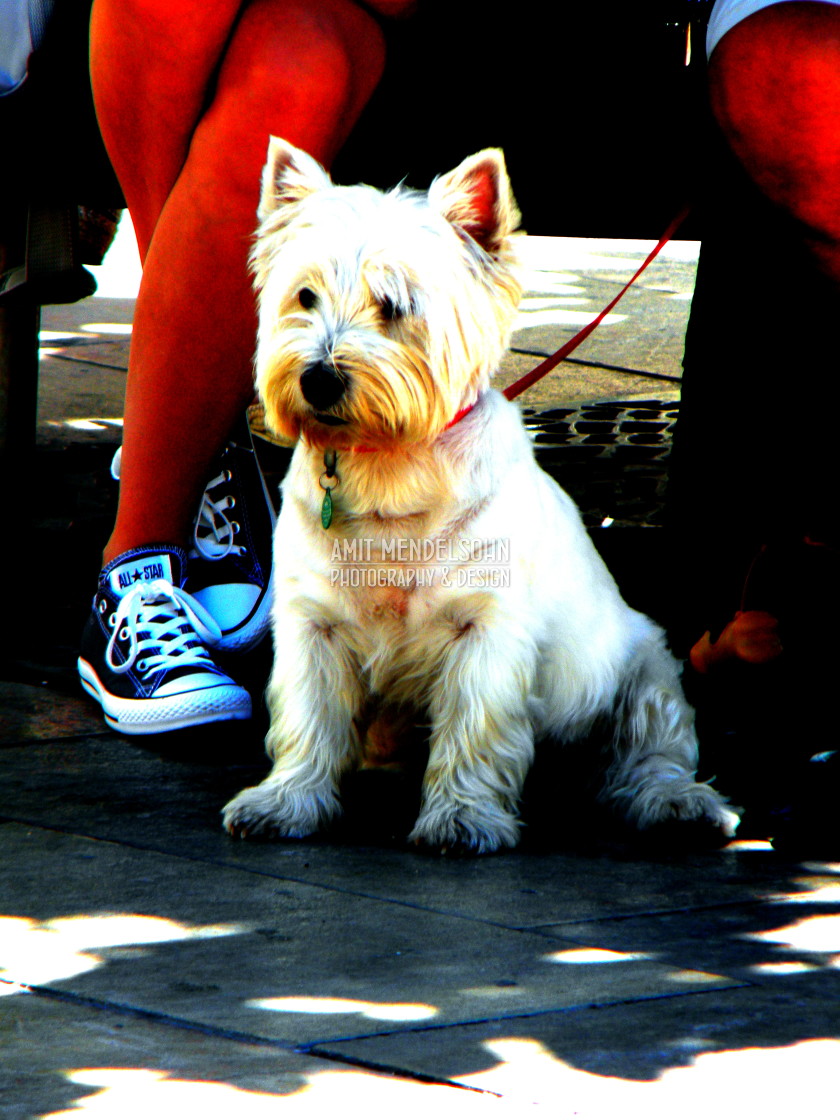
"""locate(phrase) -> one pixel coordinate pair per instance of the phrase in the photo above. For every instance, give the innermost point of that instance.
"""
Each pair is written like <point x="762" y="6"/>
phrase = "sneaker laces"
<point x="214" y="532"/>
<point x="164" y="627"/>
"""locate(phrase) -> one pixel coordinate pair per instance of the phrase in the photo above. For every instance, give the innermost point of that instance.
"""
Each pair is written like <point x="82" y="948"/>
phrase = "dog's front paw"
<point x="274" y="810"/>
<point x="463" y="830"/>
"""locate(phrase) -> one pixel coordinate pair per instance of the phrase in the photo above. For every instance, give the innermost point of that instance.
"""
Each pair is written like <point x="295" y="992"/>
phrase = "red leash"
<point x="548" y="365"/>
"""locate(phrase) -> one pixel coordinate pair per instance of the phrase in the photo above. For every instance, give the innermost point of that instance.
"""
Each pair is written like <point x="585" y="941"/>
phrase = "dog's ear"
<point x="289" y="176"/>
<point x="477" y="197"/>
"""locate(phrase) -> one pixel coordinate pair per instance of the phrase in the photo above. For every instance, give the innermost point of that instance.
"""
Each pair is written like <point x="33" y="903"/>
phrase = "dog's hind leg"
<point x="314" y="696"/>
<point x="482" y="743"/>
<point x="651" y="780"/>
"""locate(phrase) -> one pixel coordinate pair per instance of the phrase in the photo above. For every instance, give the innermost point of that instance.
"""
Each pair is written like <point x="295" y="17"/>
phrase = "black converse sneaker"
<point x="144" y="655"/>
<point x="229" y="568"/>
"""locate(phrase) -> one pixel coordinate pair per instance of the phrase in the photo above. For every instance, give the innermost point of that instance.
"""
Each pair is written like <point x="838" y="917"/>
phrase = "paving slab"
<point x="29" y="712"/>
<point x="113" y="789"/>
<point x="573" y="381"/>
<point x="791" y="936"/>
<point x="104" y="1063"/>
<point x="80" y="400"/>
<point x="38" y="1079"/>
<point x="83" y="363"/>
<point x="273" y="959"/>
<point x="731" y="1053"/>
<point x="570" y="280"/>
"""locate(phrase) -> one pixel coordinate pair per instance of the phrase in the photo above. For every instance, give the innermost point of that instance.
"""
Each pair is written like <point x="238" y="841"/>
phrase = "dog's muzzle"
<point x="322" y="386"/>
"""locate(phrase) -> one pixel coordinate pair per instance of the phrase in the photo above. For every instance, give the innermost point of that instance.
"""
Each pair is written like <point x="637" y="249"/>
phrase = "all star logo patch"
<point x="143" y="569"/>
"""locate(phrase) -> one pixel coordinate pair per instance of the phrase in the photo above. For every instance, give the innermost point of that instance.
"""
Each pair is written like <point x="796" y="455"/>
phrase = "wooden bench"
<point x="53" y="161"/>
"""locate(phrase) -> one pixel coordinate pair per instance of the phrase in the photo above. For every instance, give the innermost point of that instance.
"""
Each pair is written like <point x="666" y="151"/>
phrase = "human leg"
<point x="754" y="452"/>
<point x="767" y="287"/>
<point x="300" y="70"/>
<point x="188" y="128"/>
<point x="774" y="84"/>
<point x="152" y="67"/>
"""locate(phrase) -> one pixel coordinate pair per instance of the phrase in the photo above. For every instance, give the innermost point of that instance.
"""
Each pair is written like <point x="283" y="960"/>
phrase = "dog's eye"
<point x="390" y="310"/>
<point x="307" y="298"/>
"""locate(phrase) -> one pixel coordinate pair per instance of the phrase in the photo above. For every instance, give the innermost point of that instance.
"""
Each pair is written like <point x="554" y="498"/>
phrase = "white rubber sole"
<point x="170" y="713"/>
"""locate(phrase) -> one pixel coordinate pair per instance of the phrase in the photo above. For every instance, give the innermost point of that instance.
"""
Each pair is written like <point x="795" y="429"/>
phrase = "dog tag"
<point x="330" y="459"/>
<point x="326" y="510"/>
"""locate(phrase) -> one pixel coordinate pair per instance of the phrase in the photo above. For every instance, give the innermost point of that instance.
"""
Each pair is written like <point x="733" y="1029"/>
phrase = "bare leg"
<point x="774" y="85"/>
<point x="187" y="97"/>
<point x="775" y="90"/>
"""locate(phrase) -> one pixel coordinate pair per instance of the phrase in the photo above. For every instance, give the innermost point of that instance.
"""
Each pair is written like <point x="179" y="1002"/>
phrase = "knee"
<point x="297" y="69"/>
<point x="775" y="92"/>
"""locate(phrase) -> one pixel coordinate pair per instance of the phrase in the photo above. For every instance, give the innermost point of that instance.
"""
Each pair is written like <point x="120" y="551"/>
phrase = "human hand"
<point x="751" y="636"/>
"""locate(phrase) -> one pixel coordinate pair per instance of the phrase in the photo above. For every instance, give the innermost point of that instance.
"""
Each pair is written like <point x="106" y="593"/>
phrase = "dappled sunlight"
<point x="107" y="328"/>
<point x="310" y="1005"/>
<point x="140" y="1093"/>
<point x="817" y="934"/>
<point x="88" y="424"/>
<point x="590" y="955"/>
<point x="749" y="846"/>
<point x="56" y="336"/>
<point x="33" y="953"/>
<point x="559" y="316"/>
<point x="782" y="968"/>
<point x="819" y="867"/>
<point x="129" y="1093"/>
<point x="582" y="254"/>
<point x="541" y="302"/>
<point x="594" y="956"/>
<point x="553" y="283"/>
<point x="577" y="254"/>
<point x="691" y="976"/>
<point x="54" y="342"/>
<point x="817" y="893"/>
<point x="549" y="298"/>
<point x="494" y="992"/>
<point x="817" y="889"/>
<point x="771" y="1083"/>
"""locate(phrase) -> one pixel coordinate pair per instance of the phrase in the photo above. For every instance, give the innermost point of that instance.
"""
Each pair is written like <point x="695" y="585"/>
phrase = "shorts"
<point x="727" y="13"/>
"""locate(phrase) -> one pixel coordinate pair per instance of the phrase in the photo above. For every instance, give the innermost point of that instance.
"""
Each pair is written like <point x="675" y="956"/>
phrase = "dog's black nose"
<point x="322" y="386"/>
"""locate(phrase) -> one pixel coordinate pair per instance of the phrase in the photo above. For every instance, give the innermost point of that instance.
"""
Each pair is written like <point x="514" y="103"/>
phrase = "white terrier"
<point x="422" y="558"/>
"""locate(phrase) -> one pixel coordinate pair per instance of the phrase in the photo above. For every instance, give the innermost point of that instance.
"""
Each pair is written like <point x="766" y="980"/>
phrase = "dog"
<point x="423" y="560"/>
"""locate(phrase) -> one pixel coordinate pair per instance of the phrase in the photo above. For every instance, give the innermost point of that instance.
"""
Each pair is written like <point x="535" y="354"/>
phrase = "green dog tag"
<point x="330" y="459"/>
<point x="326" y="510"/>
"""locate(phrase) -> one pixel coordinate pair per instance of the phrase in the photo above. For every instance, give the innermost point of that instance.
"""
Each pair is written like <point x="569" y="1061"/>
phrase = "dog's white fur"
<point x="411" y="298"/>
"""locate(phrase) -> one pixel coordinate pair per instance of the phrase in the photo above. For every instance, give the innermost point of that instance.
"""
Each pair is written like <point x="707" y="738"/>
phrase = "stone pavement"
<point x="153" y="966"/>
